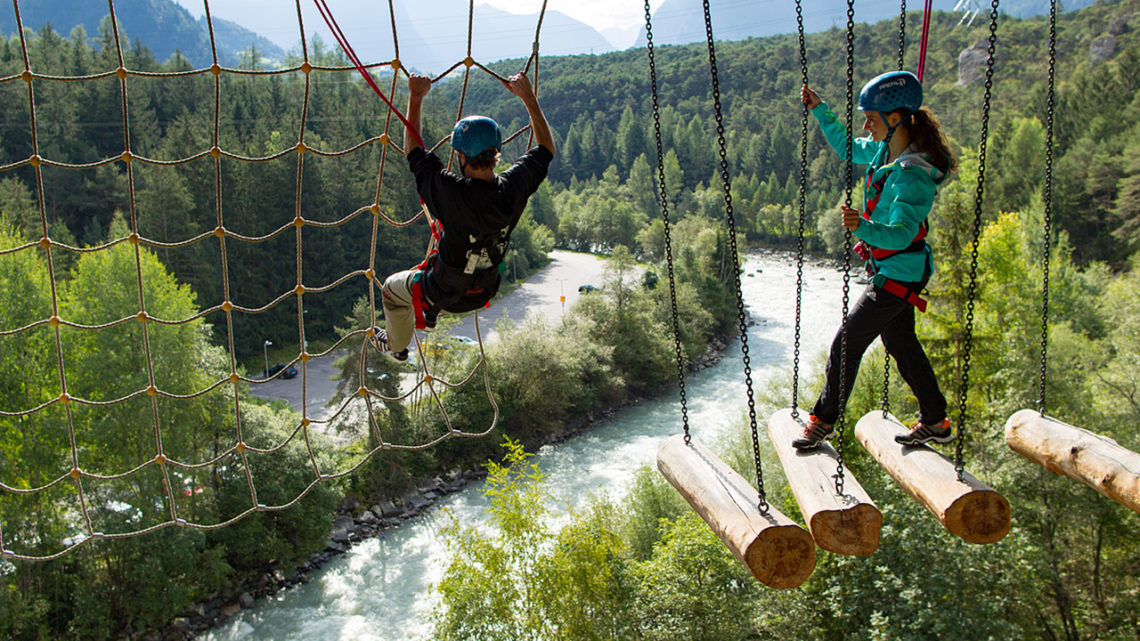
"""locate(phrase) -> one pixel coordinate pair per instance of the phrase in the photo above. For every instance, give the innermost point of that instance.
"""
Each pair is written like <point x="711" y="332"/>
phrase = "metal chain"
<point x="886" y="401"/>
<point x="840" y="423"/>
<point x="964" y="381"/>
<point x="802" y="215"/>
<point x="1048" y="198"/>
<point x="663" y="194"/>
<point x="763" y="499"/>
<point x="885" y="404"/>
<point x="902" y="34"/>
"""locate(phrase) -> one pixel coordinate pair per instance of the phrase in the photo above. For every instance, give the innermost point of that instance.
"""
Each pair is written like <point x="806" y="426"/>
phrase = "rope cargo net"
<point x="72" y="490"/>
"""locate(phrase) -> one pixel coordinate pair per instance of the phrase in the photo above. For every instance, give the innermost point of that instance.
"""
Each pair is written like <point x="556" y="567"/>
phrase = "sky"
<point x="599" y="14"/>
<point x="618" y="20"/>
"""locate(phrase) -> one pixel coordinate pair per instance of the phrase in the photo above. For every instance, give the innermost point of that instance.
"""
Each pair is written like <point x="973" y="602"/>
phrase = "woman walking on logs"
<point x="907" y="159"/>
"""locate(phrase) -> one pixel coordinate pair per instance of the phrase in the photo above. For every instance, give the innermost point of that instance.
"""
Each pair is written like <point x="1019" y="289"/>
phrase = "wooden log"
<point x="969" y="508"/>
<point x="778" y="552"/>
<point x="845" y="524"/>
<point x="1097" y="461"/>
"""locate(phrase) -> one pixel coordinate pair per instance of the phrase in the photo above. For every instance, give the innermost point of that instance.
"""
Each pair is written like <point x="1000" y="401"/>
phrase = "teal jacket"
<point x="900" y="195"/>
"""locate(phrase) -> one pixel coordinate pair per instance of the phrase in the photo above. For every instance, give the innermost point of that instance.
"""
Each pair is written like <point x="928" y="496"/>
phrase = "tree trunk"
<point x="778" y="552"/>
<point x="969" y="508"/>
<point x="844" y="524"/>
<point x="1097" y="461"/>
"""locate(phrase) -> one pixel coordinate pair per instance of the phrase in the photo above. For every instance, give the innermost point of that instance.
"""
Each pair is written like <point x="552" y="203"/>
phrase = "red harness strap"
<point x="876" y="252"/>
<point x="897" y="289"/>
<point x="418" y="304"/>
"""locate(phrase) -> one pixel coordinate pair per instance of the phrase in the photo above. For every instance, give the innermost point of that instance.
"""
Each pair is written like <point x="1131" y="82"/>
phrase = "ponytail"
<point x="926" y="135"/>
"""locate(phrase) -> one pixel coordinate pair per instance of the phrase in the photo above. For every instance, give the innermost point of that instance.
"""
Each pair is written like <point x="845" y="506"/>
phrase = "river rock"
<point x="246" y="600"/>
<point x="230" y="610"/>
<point x="432" y="485"/>
<point x="343" y="522"/>
<point x="386" y="509"/>
<point x="367" y="517"/>
<point x="336" y="547"/>
<point x="339" y="535"/>
<point x="415" y="503"/>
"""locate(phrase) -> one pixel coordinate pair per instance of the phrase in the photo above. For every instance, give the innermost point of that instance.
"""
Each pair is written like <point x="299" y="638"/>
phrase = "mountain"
<point x="161" y="25"/>
<point x="683" y="22"/>
<point x="432" y="36"/>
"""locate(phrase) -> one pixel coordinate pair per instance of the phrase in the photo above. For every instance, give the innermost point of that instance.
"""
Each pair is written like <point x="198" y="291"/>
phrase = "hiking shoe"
<point x="381" y="339"/>
<point x="815" y="433"/>
<point x="920" y="433"/>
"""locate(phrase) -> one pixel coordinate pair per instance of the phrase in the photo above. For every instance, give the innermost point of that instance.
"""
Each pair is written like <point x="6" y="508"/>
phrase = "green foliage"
<point x="134" y="582"/>
<point x="493" y="585"/>
<point x="692" y="587"/>
<point x="542" y="377"/>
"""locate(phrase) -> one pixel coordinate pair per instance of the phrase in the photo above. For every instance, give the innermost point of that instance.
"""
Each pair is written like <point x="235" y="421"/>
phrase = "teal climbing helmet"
<point x="475" y="134"/>
<point x="891" y="91"/>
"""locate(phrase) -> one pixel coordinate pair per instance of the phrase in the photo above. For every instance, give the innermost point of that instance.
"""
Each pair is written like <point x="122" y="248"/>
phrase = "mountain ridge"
<point x="161" y="25"/>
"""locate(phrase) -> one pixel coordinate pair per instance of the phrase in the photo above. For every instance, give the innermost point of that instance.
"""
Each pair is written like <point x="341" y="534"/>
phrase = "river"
<point x="381" y="589"/>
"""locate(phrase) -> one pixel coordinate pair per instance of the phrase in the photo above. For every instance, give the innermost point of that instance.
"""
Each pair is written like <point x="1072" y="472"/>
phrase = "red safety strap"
<point x="418" y="304"/>
<point x="922" y="46"/>
<point x="896" y="288"/>
<point x="433" y="245"/>
<point x="326" y="13"/>
<point x="342" y="40"/>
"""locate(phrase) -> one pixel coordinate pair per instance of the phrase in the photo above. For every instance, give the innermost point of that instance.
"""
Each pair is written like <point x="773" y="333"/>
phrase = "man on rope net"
<point x="475" y="213"/>
<point x="907" y="159"/>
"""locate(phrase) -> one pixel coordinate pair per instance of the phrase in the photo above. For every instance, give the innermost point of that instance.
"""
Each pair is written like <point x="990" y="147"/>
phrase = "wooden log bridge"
<point x="847" y="523"/>
<point x="1097" y="461"/>
<point x="778" y="552"/>
<point x="969" y="508"/>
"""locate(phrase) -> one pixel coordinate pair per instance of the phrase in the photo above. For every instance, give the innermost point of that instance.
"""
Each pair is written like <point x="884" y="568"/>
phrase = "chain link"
<point x="1048" y="198"/>
<point x="964" y="381"/>
<point x="841" y="422"/>
<point x="663" y="195"/>
<point x="902" y="34"/>
<point x="886" y="400"/>
<point x="885" y="403"/>
<point x="763" y="499"/>
<point x="802" y="215"/>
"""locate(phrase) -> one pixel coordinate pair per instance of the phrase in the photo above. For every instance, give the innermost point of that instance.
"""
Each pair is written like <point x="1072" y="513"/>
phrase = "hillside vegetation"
<point x="1068" y="570"/>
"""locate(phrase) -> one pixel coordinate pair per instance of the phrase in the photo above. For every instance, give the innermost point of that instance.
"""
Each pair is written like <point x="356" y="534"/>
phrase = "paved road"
<point x="541" y="293"/>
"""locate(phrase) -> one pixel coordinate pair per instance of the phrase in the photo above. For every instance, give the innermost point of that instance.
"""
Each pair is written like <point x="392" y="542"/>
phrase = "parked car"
<point x="585" y="289"/>
<point x="290" y="371"/>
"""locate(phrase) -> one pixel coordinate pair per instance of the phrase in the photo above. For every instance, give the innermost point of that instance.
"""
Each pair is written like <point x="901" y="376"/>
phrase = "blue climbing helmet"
<point x="891" y="91"/>
<point x="475" y="134"/>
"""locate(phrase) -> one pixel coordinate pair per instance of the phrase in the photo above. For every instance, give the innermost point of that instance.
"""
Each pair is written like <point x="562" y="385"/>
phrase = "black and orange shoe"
<point x="920" y="433"/>
<point x="815" y="433"/>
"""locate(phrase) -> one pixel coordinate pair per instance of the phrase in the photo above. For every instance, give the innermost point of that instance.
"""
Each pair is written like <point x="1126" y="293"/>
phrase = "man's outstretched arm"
<point x="418" y="87"/>
<point x="519" y="85"/>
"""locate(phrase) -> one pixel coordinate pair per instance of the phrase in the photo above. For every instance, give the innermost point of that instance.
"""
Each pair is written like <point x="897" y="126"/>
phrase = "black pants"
<point x="879" y="313"/>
